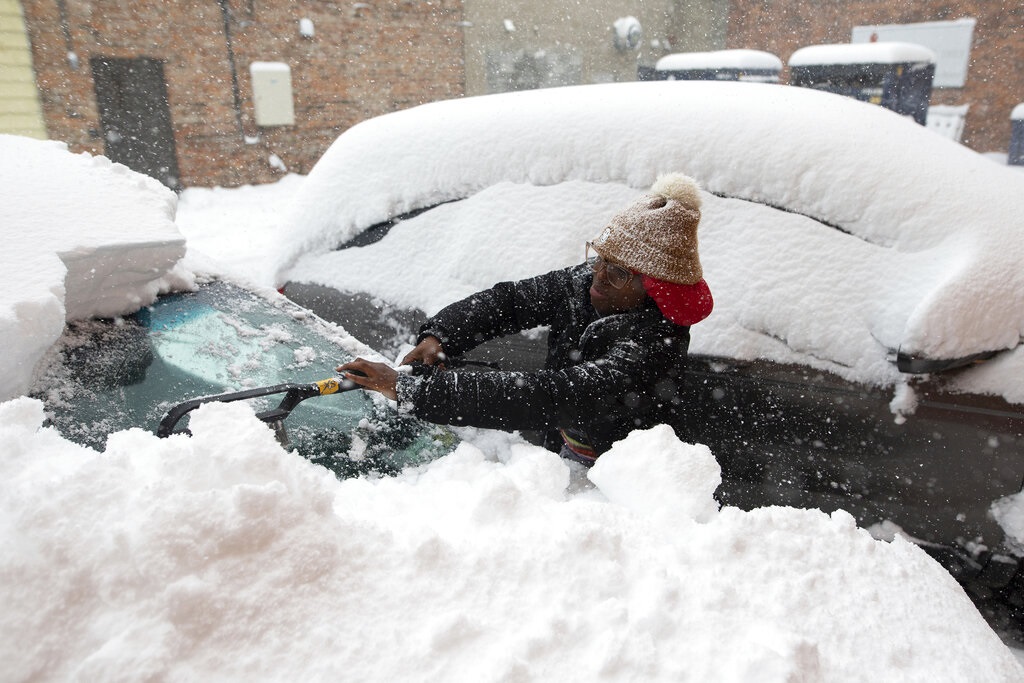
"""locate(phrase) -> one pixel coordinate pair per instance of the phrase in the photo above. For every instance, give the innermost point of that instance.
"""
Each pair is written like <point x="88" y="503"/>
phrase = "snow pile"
<point x="924" y="255"/>
<point x="83" y="237"/>
<point x="236" y="231"/>
<point x="196" y="559"/>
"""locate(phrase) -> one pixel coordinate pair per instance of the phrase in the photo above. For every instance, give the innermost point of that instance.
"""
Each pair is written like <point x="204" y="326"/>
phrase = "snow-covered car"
<point x="864" y="352"/>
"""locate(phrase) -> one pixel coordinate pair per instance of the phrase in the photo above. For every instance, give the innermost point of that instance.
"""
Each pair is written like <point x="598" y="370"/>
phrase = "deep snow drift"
<point x="82" y="238"/>
<point x="222" y="557"/>
<point x="197" y="559"/>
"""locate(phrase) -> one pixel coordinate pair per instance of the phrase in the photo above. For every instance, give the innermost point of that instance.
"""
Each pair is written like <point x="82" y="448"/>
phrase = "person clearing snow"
<point x="620" y="329"/>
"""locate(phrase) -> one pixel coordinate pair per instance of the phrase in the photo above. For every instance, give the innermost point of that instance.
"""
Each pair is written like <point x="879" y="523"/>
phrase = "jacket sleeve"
<point x="569" y="397"/>
<point x="505" y="308"/>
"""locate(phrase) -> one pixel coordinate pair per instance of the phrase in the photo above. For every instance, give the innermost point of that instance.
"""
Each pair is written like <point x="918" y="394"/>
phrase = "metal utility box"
<point x="272" y="93"/>
<point x="1016" y="153"/>
<point x="719" y="65"/>
<point x="897" y="76"/>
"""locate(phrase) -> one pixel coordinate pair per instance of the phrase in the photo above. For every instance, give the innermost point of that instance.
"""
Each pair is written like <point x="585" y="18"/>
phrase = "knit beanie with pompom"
<point x="657" y="234"/>
<point x="657" y="237"/>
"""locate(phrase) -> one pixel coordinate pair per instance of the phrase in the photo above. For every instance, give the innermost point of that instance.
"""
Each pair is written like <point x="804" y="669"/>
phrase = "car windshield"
<point x="104" y="376"/>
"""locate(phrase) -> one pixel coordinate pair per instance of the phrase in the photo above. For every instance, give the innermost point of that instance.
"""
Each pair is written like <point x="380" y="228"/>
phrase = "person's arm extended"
<point x="526" y="400"/>
<point x="506" y="400"/>
<point x="505" y="308"/>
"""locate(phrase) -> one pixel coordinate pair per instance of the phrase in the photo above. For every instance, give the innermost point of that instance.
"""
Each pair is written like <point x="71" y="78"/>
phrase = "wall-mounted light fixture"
<point x="627" y="33"/>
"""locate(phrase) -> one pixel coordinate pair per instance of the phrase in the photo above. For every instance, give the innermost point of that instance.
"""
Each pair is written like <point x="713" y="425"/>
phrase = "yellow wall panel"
<point x="20" y="113"/>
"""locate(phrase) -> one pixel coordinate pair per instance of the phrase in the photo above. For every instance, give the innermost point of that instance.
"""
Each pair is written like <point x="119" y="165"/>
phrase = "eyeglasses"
<point x="617" y="276"/>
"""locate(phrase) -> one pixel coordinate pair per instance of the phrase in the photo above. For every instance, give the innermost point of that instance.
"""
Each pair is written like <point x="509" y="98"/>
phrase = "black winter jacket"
<point x="603" y="376"/>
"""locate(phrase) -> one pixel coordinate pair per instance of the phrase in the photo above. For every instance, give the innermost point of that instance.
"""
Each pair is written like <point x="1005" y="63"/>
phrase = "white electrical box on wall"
<point x="272" y="93"/>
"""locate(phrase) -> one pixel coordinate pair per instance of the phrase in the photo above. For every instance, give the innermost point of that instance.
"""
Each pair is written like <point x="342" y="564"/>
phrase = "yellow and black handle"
<point x="294" y="394"/>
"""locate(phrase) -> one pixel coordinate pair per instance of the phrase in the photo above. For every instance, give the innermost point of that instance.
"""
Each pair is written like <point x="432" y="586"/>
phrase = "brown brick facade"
<point x="363" y="60"/>
<point x="995" y="77"/>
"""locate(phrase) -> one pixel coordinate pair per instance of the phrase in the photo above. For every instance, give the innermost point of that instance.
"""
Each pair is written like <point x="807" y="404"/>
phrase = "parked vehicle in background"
<point x="897" y="76"/>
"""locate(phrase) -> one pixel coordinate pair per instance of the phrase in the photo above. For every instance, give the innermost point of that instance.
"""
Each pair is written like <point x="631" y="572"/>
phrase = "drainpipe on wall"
<point x="65" y="28"/>
<point x="226" y="13"/>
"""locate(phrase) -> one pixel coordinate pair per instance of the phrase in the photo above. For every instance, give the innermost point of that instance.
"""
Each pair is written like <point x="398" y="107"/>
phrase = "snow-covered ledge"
<point x="82" y="237"/>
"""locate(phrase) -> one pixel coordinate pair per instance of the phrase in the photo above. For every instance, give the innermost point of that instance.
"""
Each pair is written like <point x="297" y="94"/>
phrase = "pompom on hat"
<point x="657" y="237"/>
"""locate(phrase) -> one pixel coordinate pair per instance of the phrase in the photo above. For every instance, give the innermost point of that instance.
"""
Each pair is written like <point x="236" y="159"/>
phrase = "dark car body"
<point x="789" y="435"/>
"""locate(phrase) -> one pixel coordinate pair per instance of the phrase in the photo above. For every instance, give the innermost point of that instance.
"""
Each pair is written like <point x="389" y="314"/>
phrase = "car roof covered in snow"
<point x="890" y="237"/>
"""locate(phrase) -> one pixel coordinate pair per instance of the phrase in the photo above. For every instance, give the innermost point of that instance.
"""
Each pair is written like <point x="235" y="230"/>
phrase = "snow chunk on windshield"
<point x="83" y="237"/>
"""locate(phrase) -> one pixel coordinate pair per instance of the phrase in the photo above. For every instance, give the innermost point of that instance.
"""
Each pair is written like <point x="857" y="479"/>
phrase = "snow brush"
<point x="294" y="394"/>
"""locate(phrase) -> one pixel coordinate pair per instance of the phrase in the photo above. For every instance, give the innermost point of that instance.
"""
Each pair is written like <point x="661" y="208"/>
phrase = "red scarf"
<point x="682" y="304"/>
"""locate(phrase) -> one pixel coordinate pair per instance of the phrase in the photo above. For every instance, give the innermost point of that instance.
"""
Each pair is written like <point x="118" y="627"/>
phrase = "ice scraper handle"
<point x="293" y="395"/>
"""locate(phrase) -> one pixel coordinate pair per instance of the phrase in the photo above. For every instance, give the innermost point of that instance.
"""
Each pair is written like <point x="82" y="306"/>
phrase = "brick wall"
<point x="364" y="59"/>
<point x="995" y="76"/>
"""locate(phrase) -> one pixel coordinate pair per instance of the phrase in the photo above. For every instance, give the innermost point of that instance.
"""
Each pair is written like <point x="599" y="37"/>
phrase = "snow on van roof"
<point x="862" y="53"/>
<point x="719" y="59"/>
